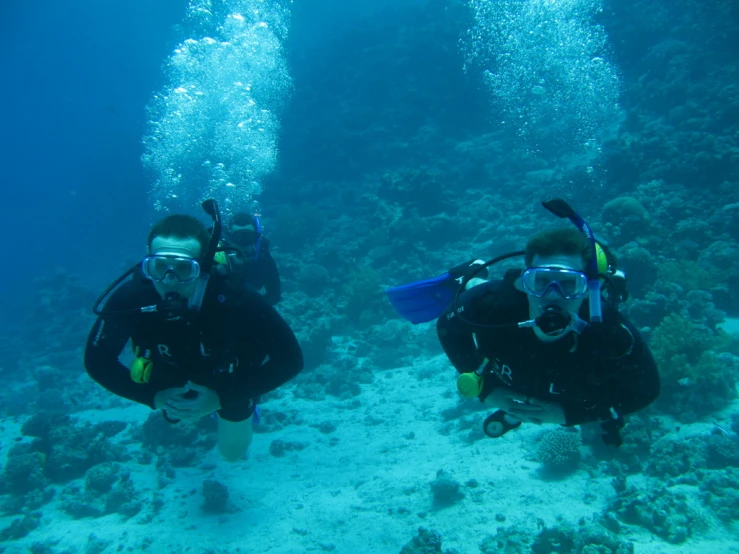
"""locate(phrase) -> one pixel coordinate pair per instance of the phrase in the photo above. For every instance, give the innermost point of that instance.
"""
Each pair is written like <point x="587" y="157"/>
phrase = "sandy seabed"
<point x="363" y="488"/>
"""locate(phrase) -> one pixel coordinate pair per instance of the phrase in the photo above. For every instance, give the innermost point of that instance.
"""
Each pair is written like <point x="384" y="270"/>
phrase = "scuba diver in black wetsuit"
<point x="539" y="344"/>
<point x="248" y="260"/>
<point x="200" y="347"/>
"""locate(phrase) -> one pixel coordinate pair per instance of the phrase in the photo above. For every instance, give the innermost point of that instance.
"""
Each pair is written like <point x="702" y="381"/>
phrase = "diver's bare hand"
<point x="526" y="408"/>
<point x="205" y="403"/>
<point x="164" y="396"/>
<point x="534" y="410"/>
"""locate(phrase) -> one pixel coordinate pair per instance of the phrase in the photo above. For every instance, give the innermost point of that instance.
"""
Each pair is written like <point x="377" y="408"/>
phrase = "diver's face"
<point x="244" y="237"/>
<point x="173" y="246"/>
<point x="553" y="297"/>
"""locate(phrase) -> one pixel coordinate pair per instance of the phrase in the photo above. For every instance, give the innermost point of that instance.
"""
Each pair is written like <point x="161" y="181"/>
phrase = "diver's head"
<point x="175" y="245"/>
<point x="244" y="233"/>
<point x="555" y="281"/>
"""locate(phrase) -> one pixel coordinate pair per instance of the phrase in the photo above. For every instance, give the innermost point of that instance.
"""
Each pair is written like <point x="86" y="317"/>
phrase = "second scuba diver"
<point x="249" y="261"/>
<point x="201" y="347"/>
<point x="537" y="344"/>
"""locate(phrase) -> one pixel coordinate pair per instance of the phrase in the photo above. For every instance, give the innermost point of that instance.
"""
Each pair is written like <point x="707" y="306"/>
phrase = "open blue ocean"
<point x="378" y="143"/>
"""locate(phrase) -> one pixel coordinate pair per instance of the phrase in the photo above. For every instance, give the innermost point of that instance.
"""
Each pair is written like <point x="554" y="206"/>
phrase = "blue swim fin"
<point x="423" y="301"/>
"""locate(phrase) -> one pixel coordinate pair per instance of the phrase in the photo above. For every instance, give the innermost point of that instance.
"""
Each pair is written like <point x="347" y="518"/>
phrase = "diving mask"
<point x="158" y="266"/>
<point x="570" y="284"/>
<point x="244" y="237"/>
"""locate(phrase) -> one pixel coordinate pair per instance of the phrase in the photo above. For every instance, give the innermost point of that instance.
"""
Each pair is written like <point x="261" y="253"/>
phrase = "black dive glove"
<point x="611" y="431"/>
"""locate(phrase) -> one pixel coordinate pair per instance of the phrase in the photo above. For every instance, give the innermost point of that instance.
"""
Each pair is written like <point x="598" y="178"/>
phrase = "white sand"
<point x="367" y="494"/>
<point x="730" y="325"/>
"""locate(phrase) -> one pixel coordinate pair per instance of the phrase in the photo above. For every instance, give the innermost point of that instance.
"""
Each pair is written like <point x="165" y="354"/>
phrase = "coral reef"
<point x="344" y="380"/>
<point x="640" y="268"/>
<point x="100" y="497"/>
<point x="720" y="492"/>
<point x="625" y="218"/>
<point x="673" y="458"/>
<point x="24" y="470"/>
<point x="215" y="497"/>
<point x="177" y="445"/>
<point x="507" y="540"/>
<point x="585" y="538"/>
<point x="445" y="490"/>
<point x="425" y="542"/>
<point x="386" y="184"/>
<point x="19" y="528"/>
<point x="559" y="450"/>
<point x="59" y="452"/>
<point x="279" y="448"/>
<point x="314" y="322"/>
<point x="722" y="450"/>
<point x="365" y="303"/>
<point x="313" y="279"/>
<point x="632" y="455"/>
<point x="698" y="374"/>
<point x="664" y="512"/>
<point x="274" y="420"/>
<point x="99" y="479"/>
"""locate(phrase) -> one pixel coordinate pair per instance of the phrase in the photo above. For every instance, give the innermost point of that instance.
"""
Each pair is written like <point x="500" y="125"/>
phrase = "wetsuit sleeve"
<point x="456" y="336"/>
<point x="263" y="327"/>
<point x="272" y="286"/>
<point x="632" y="383"/>
<point x="105" y="343"/>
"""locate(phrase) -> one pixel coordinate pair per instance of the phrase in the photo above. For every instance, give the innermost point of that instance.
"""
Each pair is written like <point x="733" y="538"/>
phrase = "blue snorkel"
<point x="206" y="260"/>
<point x="562" y="209"/>
<point x="258" y="229"/>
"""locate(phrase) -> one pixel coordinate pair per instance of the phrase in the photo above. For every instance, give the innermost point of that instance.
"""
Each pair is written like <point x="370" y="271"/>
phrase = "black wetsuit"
<point x="238" y="346"/>
<point x="259" y="274"/>
<point x="608" y="367"/>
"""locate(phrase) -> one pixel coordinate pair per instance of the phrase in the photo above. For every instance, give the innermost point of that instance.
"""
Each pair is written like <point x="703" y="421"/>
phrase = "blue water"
<point x="76" y="79"/>
<point x="402" y="138"/>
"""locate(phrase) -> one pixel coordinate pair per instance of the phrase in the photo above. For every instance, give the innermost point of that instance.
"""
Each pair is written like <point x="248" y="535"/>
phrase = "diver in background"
<point x="200" y="347"/>
<point x="253" y="265"/>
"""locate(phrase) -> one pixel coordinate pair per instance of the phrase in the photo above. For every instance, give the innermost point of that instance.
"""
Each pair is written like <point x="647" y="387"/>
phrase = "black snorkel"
<point x="173" y="306"/>
<point x="207" y="259"/>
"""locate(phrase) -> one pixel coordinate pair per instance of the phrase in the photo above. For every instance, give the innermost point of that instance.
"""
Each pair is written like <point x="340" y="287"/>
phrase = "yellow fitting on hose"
<point x="602" y="258"/>
<point x="469" y="385"/>
<point x="221" y="258"/>
<point x="141" y="370"/>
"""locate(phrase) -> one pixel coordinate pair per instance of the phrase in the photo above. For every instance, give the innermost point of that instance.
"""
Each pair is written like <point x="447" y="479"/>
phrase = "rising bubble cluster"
<point x="212" y="129"/>
<point x="547" y="66"/>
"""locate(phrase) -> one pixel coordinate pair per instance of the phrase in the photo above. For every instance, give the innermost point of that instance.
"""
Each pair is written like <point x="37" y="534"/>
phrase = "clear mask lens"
<point x="244" y="236"/>
<point x="158" y="267"/>
<point x="570" y="284"/>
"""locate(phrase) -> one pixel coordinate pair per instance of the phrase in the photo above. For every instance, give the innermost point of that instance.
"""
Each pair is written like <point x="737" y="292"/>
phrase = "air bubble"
<point x="227" y="84"/>
<point x="547" y="68"/>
